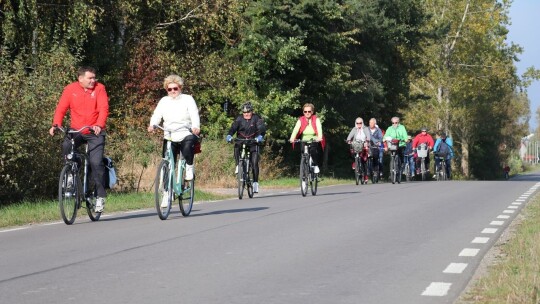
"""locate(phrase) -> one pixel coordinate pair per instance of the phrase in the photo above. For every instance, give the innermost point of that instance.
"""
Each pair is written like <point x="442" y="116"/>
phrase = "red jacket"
<point x="420" y="139"/>
<point x="89" y="108"/>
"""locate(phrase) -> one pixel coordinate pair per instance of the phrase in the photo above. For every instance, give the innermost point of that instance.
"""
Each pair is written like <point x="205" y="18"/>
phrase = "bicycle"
<point x="71" y="190"/>
<point x="395" y="162"/>
<point x="245" y="171"/>
<point x="167" y="178"/>
<point x="307" y="173"/>
<point x="422" y="152"/>
<point x="361" y="155"/>
<point x="440" y="172"/>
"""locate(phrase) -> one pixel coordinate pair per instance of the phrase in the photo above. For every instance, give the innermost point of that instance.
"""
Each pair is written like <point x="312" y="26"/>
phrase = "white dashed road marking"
<point x="496" y="223"/>
<point x="480" y="240"/>
<point x="469" y="252"/>
<point x="455" y="268"/>
<point x="503" y="216"/>
<point x="437" y="289"/>
<point x="489" y="230"/>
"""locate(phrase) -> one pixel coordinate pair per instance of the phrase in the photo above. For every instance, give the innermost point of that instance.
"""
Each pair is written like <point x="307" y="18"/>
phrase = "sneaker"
<point x="255" y="187"/>
<point x="189" y="172"/>
<point x="165" y="200"/>
<point x="236" y="170"/>
<point x="100" y="204"/>
<point x="434" y="175"/>
<point x="316" y="169"/>
<point x="303" y="185"/>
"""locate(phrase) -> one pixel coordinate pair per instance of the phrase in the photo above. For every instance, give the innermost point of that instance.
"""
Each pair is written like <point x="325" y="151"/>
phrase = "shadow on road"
<point x="217" y="212"/>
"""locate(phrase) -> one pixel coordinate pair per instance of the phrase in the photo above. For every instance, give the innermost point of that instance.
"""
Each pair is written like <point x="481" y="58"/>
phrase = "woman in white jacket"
<point x="177" y="109"/>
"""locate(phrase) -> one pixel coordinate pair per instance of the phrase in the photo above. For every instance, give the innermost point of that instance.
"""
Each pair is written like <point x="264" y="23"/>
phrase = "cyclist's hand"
<point x="51" y="131"/>
<point x="97" y="129"/>
<point x="150" y="129"/>
<point x="229" y="138"/>
<point x="196" y="131"/>
<point x="259" y="138"/>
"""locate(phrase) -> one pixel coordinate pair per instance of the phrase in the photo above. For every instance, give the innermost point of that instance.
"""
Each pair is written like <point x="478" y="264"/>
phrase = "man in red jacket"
<point x="88" y="103"/>
<point x="423" y="138"/>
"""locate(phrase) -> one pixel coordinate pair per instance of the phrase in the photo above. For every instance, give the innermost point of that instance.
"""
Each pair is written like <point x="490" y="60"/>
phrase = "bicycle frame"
<point x="309" y="176"/>
<point x="244" y="167"/>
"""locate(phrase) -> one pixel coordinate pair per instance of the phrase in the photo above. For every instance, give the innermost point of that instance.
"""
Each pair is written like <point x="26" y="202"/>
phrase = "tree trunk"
<point x="465" y="158"/>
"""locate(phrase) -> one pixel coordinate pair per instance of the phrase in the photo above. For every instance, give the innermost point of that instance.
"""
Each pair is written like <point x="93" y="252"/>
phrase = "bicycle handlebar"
<point x="306" y="141"/>
<point x="177" y="129"/>
<point x="74" y="131"/>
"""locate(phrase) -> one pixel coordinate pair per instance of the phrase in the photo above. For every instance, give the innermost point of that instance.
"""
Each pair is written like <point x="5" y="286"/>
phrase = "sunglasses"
<point x="359" y="123"/>
<point x="307" y="111"/>
<point x="173" y="89"/>
<point x="395" y="123"/>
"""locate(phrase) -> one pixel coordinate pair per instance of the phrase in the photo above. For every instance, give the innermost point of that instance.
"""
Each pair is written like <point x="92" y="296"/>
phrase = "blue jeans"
<point x="410" y="160"/>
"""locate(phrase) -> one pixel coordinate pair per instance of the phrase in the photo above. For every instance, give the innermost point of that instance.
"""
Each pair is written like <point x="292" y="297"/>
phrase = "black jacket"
<point x="248" y="129"/>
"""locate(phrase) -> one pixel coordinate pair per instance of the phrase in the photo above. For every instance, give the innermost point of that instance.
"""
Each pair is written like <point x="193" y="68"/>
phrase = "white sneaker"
<point x="303" y="185"/>
<point x="236" y="170"/>
<point x="316" y="169"/>
<point x="256" y="187"/>
<point x="165" y="200"/>
<point x="189" y="172"/>
<point x="100" y="204"/>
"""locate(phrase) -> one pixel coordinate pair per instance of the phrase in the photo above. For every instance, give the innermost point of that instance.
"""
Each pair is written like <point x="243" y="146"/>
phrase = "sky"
<point x="525" y="19"/>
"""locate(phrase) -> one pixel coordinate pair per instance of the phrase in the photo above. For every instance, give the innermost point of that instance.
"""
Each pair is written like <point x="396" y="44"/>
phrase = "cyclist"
<point x="397" y="131"/>
<point x="176" y="110"/>
<point x="359" y="133"/>
<point x="310" y="128"/>
<point x="88" y="104"/>
<point x="409" y="155"/>
<point x="423" y="138"/>
<point x="248" y="126"/>
<point x="443" y="148"/>
<point x="377" y="143"/>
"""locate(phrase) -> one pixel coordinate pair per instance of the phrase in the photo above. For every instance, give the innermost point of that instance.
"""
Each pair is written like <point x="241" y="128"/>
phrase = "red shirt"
<point x="421" y="138"/>
<point x="87" y="108"/>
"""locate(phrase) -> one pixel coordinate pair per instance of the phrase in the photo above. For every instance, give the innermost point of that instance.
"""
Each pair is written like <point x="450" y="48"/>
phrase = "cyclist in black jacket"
<point x="248" y="126"/>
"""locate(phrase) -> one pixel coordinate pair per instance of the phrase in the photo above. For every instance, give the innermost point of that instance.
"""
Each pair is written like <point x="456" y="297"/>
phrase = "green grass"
<point x="514" y="277"/>
<point x="47" y="211"/>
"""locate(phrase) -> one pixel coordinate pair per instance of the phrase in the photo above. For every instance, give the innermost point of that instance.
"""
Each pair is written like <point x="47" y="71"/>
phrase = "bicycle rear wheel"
<point x="187" y="197"/>
<point x="68" y="194"/>
<point x="90" y="200"/>
<point x="357" y="175"/>
<point x="304" y="172"/>
<point x="240" y="178"/>
<point x="163" y="192"/>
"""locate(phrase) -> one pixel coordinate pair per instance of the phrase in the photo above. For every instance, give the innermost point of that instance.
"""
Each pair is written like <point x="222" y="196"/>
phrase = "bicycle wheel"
<point x="249" y="183"/>
<point x="68" y="194"/>
<point x="90" y="200"/>
<point x="375" y="173"/>
<point x="407" y="170"/>
<point x="393" y="169"/>
<point x="443" y="170"/>
<point x="186" y="199"/>
<point x="240" y="178"/>
<point x="357" y="170"/>
<point x="398" y="171"/>
<point x="163" y="194"/>
<point x="304" y="172"/>
<point x="423" y="169"/>
<point x="313" y="183"/>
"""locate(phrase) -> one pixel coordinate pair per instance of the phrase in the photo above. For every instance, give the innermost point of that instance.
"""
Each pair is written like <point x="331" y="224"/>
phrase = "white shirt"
<point x="176" y="112"/>
<point x="360" y="136"/>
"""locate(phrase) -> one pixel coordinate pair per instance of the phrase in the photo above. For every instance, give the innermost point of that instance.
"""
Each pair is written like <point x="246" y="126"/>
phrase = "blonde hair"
<point x="173" y="79"/>
<point x="309" y="105"/>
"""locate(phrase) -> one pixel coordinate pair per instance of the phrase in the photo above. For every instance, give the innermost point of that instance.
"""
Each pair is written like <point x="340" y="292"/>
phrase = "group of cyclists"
<point x="88" y="103"/>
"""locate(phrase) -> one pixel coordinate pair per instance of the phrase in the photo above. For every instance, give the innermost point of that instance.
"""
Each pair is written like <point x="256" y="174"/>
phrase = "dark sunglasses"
<point x="173" y="89"/>
<point x="359" y="123"/>
<point x="307" y="111"/>
<point x="395" y="123"/>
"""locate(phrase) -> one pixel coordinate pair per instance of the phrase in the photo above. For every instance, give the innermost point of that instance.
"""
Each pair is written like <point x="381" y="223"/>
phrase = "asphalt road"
<point x="417" y="242"/>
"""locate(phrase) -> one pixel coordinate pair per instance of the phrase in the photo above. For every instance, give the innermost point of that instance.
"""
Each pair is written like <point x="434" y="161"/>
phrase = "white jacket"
<point x="176" y="112"/>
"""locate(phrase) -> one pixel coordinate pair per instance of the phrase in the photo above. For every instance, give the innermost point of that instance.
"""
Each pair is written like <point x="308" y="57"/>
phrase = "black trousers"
<point x="185" y="146"/>
<point x="254" y="158"/>
<point x="96" y="148"/>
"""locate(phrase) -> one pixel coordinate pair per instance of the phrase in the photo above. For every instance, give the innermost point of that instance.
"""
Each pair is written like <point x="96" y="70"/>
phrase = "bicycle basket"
<point x="357" y="146"/>
<point x="393" y="144"/>
<point x="422" y="151"/>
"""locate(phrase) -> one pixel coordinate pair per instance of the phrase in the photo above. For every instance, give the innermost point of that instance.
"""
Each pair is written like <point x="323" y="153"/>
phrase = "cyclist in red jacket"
<point x="88" y="103"/>
<point x="421" y="138"/>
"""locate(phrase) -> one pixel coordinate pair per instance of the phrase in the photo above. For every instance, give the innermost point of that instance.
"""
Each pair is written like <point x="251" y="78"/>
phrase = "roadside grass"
<point x="514" y="277"/>
<point x="26" y="213"/>
<point x="42" y="211"/>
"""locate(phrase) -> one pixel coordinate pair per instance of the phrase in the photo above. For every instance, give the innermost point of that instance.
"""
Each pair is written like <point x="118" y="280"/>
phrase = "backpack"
<point x="443" y="150"/>
<point x="109" y="178"/>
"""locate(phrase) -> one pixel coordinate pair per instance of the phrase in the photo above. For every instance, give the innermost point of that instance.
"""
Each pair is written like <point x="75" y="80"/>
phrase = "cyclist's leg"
<point x="186" y="146"/>
<point x="96" y="147"/>
<point x="448" y="168"/>
<point x="314" y="152"/>
<point x="411" y="164"/>
<point x="255" y="162"/>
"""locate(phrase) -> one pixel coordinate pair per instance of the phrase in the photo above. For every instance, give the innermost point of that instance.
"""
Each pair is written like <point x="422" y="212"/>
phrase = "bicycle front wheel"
<point x="249" y="182"/>
<point x="188" y="197"/>
<point x="357" y="175"/>
<point x="393" y="169"/>
<point x="304" y="173"/>
<point x="423" y="169"/>
<point x="163" y="194"/>
<point x="314" y="183"/>
<point x="240" y="178"/>
<point x="68" y="194"/>
<point x="407" y="170"/>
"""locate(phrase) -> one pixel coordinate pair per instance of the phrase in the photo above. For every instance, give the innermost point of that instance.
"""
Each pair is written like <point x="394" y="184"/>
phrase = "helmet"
<point x="247" y="107"/>
<point x="423" y="129"/>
